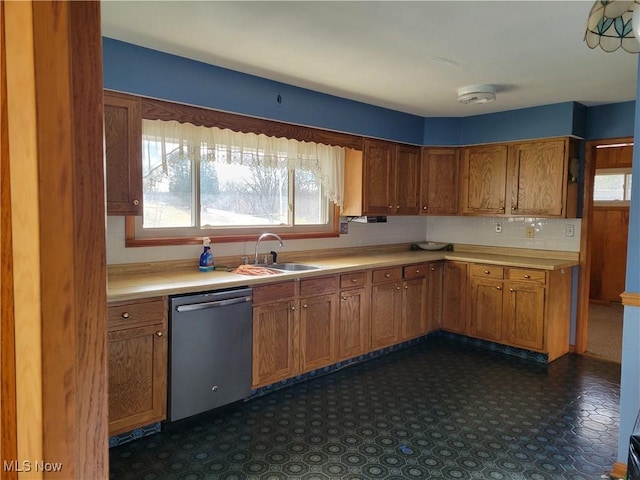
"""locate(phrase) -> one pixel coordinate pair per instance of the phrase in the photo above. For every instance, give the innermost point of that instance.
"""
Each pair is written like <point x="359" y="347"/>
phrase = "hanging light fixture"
<point x="614" y="24"/>
<point x="475" y="94"/>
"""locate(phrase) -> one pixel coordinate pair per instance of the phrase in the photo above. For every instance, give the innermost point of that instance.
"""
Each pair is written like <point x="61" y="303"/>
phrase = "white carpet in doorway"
<point x="605" y="331"/>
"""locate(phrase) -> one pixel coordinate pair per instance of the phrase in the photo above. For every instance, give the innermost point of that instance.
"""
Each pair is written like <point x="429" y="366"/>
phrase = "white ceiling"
<point x="407" y="56"/>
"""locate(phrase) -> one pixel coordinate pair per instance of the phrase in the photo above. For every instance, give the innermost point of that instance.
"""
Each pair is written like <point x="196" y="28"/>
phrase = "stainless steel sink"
<point x="289" y="267"/>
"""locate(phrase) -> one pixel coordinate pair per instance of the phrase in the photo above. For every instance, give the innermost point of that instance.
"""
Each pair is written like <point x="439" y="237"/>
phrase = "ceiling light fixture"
<point x="614" y="24"/>
<point x="477" y="94"/>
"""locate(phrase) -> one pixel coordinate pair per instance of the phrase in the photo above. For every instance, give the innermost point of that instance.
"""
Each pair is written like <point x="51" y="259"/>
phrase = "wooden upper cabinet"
<point x="384" y="179"/>
<point x="440" y="168"/>
<point x="407" y="187"/>
<point x="379" y="177"/>
<point x="523" y="178"/>
<point x="484" y="180"/>
<point x="123" y="150"/>
<point x="538" y="175"/>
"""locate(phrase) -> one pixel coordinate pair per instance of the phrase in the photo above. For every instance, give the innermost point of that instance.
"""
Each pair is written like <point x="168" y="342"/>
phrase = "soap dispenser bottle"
<point x="206" y="258"/>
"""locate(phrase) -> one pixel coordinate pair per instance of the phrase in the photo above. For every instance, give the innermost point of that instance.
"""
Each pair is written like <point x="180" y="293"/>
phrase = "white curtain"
<point x="326" y="161"/>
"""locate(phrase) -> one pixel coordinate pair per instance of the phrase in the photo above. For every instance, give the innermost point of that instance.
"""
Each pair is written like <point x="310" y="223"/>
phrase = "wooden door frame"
<point x="582" y="317"/>
<point x="54" y="125"/>
<point x="8" y="427"/>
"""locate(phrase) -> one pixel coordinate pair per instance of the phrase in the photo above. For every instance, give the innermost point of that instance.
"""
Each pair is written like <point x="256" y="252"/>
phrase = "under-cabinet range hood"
<point x="368" y="219"/>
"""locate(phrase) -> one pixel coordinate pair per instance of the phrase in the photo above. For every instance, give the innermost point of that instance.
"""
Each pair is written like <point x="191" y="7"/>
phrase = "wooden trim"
<point x="619" y="470"/>
<point x="69" y="127"/>
<point x="163" y="110"/>
<point x="8" y="425"/>
<point x="21" y="117"/>
<point x="630" y="299"/>
<point x="582" y="320"/>
<point x="132" y="241"/>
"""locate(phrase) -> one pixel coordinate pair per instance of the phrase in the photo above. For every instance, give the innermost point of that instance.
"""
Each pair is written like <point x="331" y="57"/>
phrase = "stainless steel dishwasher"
<point x="210" y="350"/>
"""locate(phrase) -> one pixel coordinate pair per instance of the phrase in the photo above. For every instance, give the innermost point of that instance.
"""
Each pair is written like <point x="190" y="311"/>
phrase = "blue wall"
<point x="133" y="69"/>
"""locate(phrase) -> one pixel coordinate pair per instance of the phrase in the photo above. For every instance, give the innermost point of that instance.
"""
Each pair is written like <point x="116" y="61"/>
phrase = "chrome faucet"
<point x="262" y="237"/>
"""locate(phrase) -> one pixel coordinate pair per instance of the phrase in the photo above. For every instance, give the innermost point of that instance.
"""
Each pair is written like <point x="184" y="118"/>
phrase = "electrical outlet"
<point x="344" y="227"/>
<point x="570" y="230"/>
<point x="498" y="227"/>
<point x="529" y="232"/>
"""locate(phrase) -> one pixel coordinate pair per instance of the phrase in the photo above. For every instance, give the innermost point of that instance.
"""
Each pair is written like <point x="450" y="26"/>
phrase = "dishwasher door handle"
<point x="220" y="303"/>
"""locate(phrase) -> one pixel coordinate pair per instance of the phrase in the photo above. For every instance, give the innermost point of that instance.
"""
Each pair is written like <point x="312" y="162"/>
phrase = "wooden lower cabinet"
<point x="486" y="301"/>
<point x="137" y="353"/>
<point x="294" y="328"/>
<point x="435" y="271"/>
<point x="398" y="304"/>
<point x="274" y="355"/>
<point x="528" y="308"/>
<point x="353" y="316"/>
<point x="524" y="315"/>
<point x="386" y="313"/>
<point x="454" y="312"/>
<point x="414" y="299"/>
<point x="317" y="331"/>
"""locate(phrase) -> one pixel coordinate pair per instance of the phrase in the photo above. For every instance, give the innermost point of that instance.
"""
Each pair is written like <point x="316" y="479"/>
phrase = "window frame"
<point x="626" y="171"/>
<point x="153" y="109"/>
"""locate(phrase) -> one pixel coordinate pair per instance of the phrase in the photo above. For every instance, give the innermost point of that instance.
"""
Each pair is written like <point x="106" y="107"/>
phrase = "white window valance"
<point x="223" y="145"/>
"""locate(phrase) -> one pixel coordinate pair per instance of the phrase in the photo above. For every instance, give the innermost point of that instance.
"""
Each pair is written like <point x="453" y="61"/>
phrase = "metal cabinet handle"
<point x="433" y="269"/>
<point x="487" y="272"/>
<point x="527" y="276"/>
<point x="159" y="333"/>
<point x="387" y="275"/>
<point x="511" y="290"/>
<point x="344" y="298"/>
<point x="424" y="208"/>
<point x="136" y="202"/>
<point x="305" y="305"/>
<point x="406" y="287"/>
<point x="353" y="280"/>
<point x="293" y="307"/>
<point x="417" y="270"/>
<point x="397" y="288"/>
<point x="125" y="315"/>
<point x="498" y="288"/>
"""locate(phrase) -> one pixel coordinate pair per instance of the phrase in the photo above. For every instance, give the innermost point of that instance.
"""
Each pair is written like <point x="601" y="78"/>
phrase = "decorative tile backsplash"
<point x="549" y="234"/>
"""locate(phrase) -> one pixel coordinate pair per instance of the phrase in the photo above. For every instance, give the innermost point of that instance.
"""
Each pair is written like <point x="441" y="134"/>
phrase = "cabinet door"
<point x="454" y="314"/>
<point x="414" y="295"/>
<point x="435" y="272"/>
<point x="123" y="152"/>
<point x="440" y="181"/>
<point x="317" y="332"/>
<point x="386" y="312"/>
<point x="137" y="377"/>
<point x="407" y="186"/>
<point x="274" y="341"/>
<point x="486" y="309"/>
<point x="379" y="177"/>
<point x="484" y="180"/>
<point x="538" y="178"/>
<point x="524" y="315"/>
<point x="352" y="324"/>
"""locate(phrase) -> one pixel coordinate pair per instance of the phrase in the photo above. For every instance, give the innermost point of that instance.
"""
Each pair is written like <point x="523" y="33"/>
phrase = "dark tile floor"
<point x="439" y="409"/>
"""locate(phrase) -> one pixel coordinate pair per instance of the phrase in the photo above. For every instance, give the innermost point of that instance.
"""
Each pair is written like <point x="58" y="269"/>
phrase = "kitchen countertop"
<point x="181" y="281"/>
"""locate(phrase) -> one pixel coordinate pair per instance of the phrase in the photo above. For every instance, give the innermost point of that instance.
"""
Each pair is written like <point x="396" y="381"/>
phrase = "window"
<point x="612" y="186"/>
<point x="200" y="181"/>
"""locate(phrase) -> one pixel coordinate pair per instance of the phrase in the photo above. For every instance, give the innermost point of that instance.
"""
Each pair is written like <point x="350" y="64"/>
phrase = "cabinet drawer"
<point x="355" y="279"/>
<point x="135" y="313"/>
<point x="273" y="292"/>
<point x="387" y="275"/>
<point x="526" y="275"/>
<point x="414" y="271"/>
<point x="317" y="286"/>
<point x="487" y="271"/>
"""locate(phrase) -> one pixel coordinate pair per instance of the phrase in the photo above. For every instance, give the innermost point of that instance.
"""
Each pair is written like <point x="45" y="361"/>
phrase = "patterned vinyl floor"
<point x="440" y="409"/>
